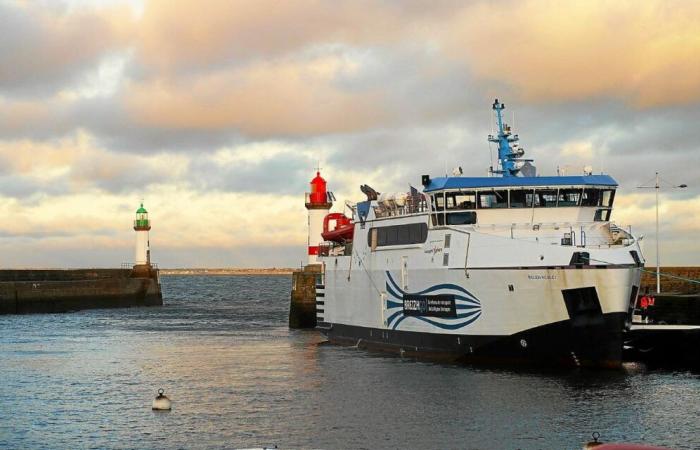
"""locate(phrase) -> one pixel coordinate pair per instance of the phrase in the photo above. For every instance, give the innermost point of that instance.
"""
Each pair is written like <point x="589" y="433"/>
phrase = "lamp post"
<point x="656" y="187"/>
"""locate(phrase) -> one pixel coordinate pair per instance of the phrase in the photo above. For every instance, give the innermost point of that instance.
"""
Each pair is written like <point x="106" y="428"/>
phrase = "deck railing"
<point x="414" y="204"/>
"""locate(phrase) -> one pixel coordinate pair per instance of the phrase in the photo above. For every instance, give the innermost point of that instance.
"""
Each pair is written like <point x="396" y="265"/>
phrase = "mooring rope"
<point x="667" y="275"/>
<point x="362" y="263"/>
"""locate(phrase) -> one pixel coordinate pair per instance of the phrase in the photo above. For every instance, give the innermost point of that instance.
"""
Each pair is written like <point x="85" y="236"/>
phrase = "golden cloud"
<point x="287" y="97"/>
<point x="644" y="53"/>
<point x="187" y="34"/>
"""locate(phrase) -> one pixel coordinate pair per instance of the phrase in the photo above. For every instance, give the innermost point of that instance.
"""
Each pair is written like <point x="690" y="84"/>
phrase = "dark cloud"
<point x="27" y="188"/>
<point x="42" y="52"/>
<point x="283" y="173"/>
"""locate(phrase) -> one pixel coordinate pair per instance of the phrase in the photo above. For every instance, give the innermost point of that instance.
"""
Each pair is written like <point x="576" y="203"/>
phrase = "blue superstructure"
<point x="493" y="182"/>
<point x="508" y="156"/>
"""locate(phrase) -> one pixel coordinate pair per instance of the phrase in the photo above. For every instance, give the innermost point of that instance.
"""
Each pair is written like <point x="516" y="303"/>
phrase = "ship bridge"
<point x="576" y="199"/>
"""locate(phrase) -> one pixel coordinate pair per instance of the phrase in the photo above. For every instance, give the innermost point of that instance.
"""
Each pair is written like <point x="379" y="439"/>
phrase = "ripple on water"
<point x="238" y="377"/>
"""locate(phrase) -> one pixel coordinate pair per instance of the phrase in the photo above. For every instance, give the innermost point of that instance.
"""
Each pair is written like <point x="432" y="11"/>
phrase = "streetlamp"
<point x="657" y="186"/>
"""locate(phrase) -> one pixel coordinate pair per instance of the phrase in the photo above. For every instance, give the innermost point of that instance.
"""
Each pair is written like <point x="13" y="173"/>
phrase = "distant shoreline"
<point x="270" y="271"/>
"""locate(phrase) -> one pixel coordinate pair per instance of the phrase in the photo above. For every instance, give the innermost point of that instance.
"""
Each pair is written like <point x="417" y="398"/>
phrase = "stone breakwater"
<point x="56" y="291"/>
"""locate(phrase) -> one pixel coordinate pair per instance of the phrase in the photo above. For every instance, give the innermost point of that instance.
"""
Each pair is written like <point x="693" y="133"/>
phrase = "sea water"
<point x="238" y="377"/>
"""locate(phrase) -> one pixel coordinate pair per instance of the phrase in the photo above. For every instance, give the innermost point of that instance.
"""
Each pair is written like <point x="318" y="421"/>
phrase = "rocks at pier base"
<point x="57" y="291"/>
<point x="302" y="308"/>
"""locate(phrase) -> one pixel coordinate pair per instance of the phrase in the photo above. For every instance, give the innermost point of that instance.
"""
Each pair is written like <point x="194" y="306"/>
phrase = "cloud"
<point x="239" y="31"/>
<point x="42" y="49"/>
<point x="75" y="163"/>
<point x="641" y="53"/>
<point x="679" y="218"/>
<point x="288" y="97"/>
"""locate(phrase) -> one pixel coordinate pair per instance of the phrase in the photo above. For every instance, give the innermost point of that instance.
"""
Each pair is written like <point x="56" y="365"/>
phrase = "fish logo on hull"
<point x="446" y="306"/>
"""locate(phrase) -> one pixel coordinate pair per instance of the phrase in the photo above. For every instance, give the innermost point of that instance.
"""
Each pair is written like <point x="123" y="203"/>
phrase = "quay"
<point x="58" y="291"/>
<point x="663" y="345"/>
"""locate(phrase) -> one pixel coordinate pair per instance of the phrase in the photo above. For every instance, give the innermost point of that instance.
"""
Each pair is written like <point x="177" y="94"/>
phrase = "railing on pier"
<point x="130" y="265"/>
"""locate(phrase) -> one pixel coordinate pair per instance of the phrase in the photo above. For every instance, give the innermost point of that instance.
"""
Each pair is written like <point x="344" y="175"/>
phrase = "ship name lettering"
<point x="541" y="277"/>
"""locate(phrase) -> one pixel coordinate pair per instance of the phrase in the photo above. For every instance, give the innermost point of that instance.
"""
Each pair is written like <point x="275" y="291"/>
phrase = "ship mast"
<point x="509" y="157"/>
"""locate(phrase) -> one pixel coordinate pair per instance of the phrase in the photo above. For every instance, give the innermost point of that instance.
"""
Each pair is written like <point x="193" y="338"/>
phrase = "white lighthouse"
<point x="142" y="225"/>
<point x="318" y="203"/>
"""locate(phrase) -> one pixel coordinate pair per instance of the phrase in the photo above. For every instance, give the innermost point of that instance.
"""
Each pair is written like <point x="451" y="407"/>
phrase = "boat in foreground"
<point x="512" y="268"/>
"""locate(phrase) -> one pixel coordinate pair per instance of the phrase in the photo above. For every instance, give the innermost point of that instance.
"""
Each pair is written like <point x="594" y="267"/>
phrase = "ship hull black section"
<point x="566" y="343"/>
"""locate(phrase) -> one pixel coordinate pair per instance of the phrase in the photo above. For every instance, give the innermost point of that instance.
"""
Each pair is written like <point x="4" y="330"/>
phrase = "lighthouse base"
<point x="58" y="291"/>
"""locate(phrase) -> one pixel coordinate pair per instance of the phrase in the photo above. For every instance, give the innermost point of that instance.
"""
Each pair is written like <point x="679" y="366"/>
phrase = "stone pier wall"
<point x="57" y="291"/>
<point x="302" y="308"/>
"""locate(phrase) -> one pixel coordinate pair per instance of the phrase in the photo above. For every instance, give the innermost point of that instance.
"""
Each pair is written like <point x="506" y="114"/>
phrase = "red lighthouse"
<point x="318" y="203"/>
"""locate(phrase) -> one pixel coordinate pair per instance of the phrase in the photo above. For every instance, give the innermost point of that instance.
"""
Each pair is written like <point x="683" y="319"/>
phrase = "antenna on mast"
<point x="510" y="158"/>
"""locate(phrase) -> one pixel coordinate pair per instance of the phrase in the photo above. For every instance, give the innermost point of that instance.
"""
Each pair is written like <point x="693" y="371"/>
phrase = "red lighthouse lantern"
<point x="318" y="203"/>
<point x="318" y="193"/>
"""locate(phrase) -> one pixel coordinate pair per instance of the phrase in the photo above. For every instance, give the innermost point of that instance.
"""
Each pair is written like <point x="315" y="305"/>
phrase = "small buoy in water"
<point x="162" y="402"/>
<point x="594" y="443"/>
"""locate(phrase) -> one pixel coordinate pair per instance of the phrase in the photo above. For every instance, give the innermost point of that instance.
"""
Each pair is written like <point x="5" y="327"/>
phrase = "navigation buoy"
<point x="594" y="443"/>
<point x="162" y="402"/>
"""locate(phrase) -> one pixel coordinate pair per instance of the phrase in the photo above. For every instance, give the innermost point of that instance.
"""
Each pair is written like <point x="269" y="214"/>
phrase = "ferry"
<point x="508" y="268"/>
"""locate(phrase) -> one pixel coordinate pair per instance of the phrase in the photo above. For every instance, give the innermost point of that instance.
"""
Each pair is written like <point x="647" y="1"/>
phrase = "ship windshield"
<point x="460" y="200"/>
<point x="607" y="197"/>
<point x="598" y="197"/>
<point x="521" y="198"/>
<point x="545" y="198"/>
<point x="493" y="199"/>
<point x="591" y="197"/>
<point x="438" y="201"/>
<point x="569" y="197"/>
<point x="448" y="207"/>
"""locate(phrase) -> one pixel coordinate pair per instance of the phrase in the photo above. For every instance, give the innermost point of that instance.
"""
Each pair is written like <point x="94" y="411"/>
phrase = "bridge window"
<point x="461" y="200"/>
<point x="591" y="197"/>
<point x="493" y="199"/>
<point x="607" y="197"/>
<point x="411" y="233"/>
<point x="439" y="201"/>
<point x="521" y="198"/>
<point x="602" y="215"/>
<point x="545" y="198"/>
<point x="461" y="218"/>
<point x="569" y="197"/>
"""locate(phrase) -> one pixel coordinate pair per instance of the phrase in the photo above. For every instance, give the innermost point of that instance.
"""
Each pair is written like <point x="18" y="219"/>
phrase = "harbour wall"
<point x="56" y="291"/>
<point x="672" y="284"/>
<point x="302" y="307"/>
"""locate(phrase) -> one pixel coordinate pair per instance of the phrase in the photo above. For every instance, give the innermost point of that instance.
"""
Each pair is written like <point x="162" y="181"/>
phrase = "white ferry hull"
<point x="505" y="315"/>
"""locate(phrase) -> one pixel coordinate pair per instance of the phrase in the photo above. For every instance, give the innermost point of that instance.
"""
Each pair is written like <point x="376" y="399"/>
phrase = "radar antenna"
<point x="510" y="157"/>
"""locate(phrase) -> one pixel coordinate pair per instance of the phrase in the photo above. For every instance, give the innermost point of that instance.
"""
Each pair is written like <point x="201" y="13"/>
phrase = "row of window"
<point x="410" y="233"/>
<point x="523" y="198"/>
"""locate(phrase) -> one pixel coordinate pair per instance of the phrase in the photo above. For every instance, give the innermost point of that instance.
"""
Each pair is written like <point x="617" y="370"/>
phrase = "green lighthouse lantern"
<point x="142" y="223"/>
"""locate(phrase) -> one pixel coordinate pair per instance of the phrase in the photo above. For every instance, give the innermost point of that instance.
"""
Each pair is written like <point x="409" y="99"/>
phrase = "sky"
<point x="216" y="113"/>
